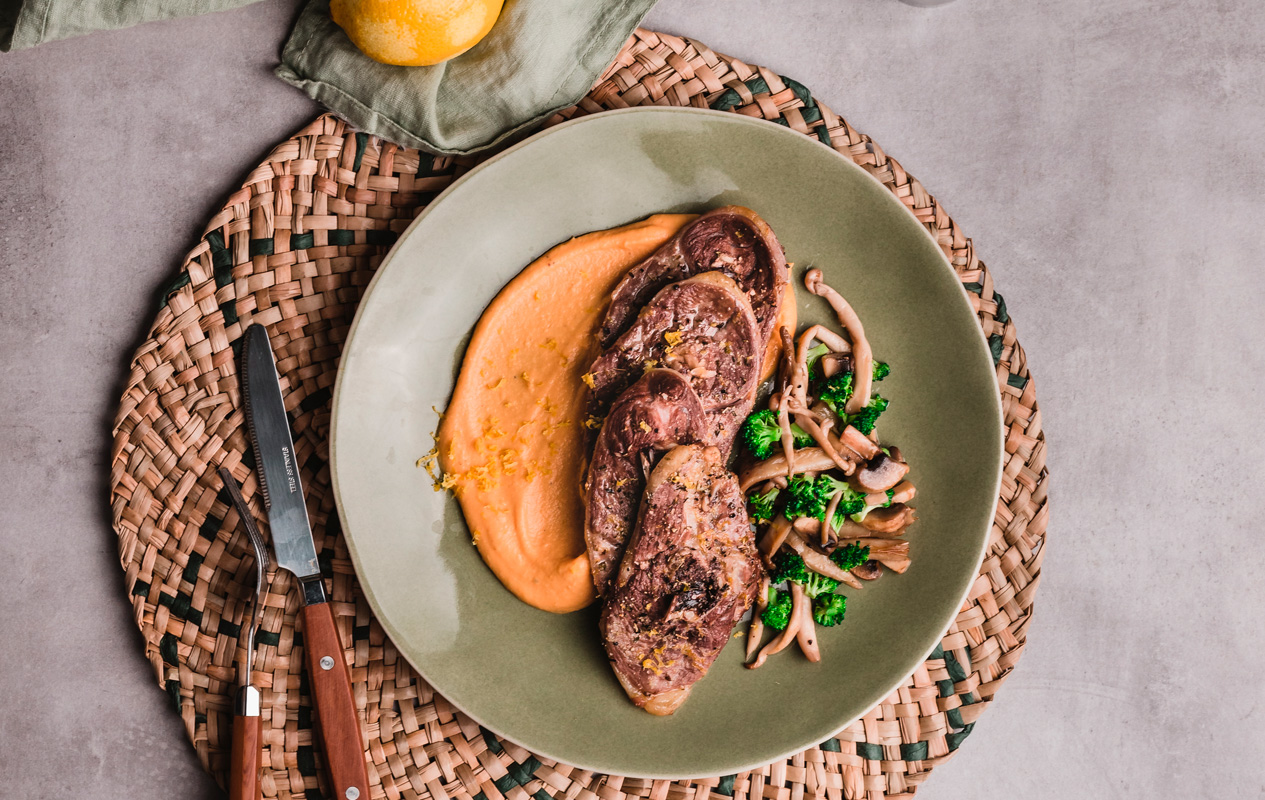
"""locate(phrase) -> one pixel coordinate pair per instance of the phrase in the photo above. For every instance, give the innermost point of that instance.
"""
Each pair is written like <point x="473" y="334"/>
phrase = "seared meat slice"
<point x="690" y="572"/>
<point x="655" y="414"/>
<point x="733" y="240"/>
<point x="702" y="328"/>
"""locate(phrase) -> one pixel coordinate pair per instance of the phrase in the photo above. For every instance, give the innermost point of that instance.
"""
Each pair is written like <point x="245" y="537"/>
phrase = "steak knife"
<point x="337" y="720"/>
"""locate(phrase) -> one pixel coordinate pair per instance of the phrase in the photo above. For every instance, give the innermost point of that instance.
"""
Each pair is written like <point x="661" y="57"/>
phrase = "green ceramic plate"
<point x="541" y="679"/>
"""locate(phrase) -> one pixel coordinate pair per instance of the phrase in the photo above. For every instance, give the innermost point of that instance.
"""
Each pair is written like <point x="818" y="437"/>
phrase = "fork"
<point x="247" y="741"/>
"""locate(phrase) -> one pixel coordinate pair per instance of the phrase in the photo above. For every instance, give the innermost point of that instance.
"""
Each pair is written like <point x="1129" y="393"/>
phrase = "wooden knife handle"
<point x="336" y="716"/>
<point x="243" y="774"/>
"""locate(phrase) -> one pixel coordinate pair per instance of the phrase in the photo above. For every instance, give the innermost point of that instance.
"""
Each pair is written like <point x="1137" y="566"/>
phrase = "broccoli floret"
<point x="814" y="355"/>
<point x="812" y="498"/>
<point x="836" y="391"/>
<point x="778" y="613"/>
<point x="864" y="419"/>
<point x="761" y="433"/>
<point x="816" y="584"/>
<point x="760" y="506"/>
<point x="890" y="494"/>
<point x="803" y="499"/>
<point x="802" y="437"/>
<point x="788" y="566"/>
<point x="850" y="556"/>
<point x="851" y="501"/>
<point x="828" y="609"/>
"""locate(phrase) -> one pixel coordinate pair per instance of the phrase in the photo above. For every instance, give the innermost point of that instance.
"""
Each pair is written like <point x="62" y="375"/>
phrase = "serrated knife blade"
<point x="274" y="453"/>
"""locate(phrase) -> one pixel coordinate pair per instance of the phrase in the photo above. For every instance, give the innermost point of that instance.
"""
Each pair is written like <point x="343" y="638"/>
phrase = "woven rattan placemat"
<point x="294" y="249"/>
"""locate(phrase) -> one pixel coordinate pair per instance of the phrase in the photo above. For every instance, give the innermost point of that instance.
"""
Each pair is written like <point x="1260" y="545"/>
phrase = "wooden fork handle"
<point x="336" y="715"/>
<point x="243" y="775"/>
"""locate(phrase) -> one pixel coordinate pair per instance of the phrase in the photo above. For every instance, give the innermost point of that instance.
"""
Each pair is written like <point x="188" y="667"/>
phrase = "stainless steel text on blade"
<point x="274" y="452"/>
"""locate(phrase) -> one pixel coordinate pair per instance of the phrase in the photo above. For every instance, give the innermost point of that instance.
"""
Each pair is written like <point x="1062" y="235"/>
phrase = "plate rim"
<point x="728" y="118"/>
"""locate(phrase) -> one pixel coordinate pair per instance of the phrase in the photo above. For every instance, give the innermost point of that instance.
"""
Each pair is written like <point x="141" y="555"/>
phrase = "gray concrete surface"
<point x="1107" y="159"/>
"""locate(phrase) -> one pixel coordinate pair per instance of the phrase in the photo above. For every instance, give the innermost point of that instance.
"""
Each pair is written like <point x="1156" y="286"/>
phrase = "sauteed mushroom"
<point x="880" y="474"/>
<point x="888" y="520"/>
<point x="869" y="571"/>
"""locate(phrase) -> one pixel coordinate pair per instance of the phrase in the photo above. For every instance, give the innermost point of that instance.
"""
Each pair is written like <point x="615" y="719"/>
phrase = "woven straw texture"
<point x="294" y="249"/>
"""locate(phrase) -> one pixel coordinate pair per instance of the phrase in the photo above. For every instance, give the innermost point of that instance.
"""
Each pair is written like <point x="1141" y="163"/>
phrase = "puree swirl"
<point x="512" y="444"/>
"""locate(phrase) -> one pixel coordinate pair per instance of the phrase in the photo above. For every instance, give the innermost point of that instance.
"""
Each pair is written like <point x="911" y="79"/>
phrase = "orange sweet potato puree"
<point x="512" y="442"/>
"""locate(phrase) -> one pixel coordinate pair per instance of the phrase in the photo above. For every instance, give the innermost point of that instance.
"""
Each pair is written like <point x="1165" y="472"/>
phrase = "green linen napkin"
<point x="541" y="56"/>
<point x="26" y="23"/>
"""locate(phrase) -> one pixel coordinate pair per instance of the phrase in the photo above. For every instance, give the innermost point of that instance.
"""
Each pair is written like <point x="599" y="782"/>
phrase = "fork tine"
<point x="262" y="560"/>
<point x="262" y="556"/>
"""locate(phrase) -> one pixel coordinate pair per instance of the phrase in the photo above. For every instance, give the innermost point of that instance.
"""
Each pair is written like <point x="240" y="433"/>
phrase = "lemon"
<point x="415" y="33"/>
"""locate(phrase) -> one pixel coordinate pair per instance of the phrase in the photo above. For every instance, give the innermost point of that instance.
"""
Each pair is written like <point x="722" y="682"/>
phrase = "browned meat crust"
<point x="655" y="414"/>
<point x="701" y="327"/>
<point x="732" y="240"/>
<point x="689" y="574"/>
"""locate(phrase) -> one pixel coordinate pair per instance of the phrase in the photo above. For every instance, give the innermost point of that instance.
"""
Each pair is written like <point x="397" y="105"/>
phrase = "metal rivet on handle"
<point x="352" y="793"/>
<point x="328" y="663"/>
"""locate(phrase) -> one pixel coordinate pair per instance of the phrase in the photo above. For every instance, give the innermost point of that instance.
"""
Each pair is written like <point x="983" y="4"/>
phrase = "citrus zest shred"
<point x="683" y="482"/>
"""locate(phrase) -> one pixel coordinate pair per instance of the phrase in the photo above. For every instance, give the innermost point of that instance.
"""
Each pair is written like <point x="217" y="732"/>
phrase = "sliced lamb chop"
<point x="689" y="574"/>
<point x="655" y="414"/>
<point x="701" y="327"/>
<point x="732" y="240"/>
